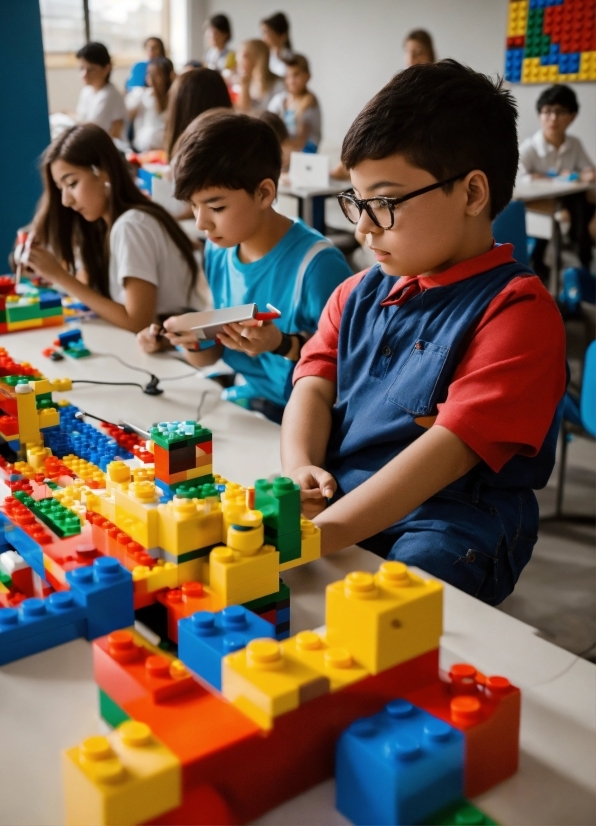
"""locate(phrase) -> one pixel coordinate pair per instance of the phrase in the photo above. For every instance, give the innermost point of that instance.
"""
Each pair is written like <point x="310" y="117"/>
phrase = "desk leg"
<point x="306" y="210"/>
<point x="555" y="273"/>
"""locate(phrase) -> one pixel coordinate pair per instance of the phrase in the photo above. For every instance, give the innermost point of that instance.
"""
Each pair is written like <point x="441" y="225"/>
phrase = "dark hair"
<point x="280" y="24"/>
<point x="159" y="42"/>
<point x="444" y="118"/>
<point x="192" y="94"/>
<point x="558" y="94"/>
<point x="68" y="233"/>
<point x="194" y="64"/>
<point x="276" y="123"/>
<point x="298" y="60"/>
<point x="226" y="149"/>
<point x="95" y="53"/>
<point x="166" y="68"/>
<point x="221" y="22"/>
<point x="423" y="37"/>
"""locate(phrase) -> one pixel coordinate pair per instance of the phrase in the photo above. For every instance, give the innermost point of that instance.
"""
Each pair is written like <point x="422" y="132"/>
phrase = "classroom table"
<point x="305" y="195"/>
<point x="49" y="701"/>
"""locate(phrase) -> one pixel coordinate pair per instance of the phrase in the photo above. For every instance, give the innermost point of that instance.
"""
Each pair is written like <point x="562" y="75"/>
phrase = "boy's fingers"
<point x="311" y="493"/>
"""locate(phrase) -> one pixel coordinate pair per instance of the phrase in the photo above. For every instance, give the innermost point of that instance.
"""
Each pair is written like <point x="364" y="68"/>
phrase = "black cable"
<point x="111" y="383"/>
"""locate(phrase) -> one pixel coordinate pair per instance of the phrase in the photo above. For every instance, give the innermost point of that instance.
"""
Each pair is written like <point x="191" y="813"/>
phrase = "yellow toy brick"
<point x="62" y="386"/>
<point x="127" y="777"/>
<point x="386" y="618"/>
<point x="238" y="578"/>
<point x="147" y="580"/>
<point x="336" y="664"/>
<point x="264" y="684"/>
<point x="36" y="456"/>
<point x="197" y="472"/>
<point x="194" y="570"/>
<point x="26" y="470"/>
<point x="27" y="413"/>
<point x="136" y="512"/>
<point x="41" y="386"/>
<point x="310" y="537"/>
<point x="13" y="326"/>
<point x="48" y="417"/>
<point x="118" y="474"/>
<point x="189" y="524"/>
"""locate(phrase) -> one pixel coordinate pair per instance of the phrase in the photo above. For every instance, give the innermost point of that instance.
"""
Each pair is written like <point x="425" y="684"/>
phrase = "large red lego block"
<point x="487" y="710"/>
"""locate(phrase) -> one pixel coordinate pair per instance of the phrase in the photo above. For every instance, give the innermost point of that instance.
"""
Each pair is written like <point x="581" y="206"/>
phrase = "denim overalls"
<point x="394" y="364"/>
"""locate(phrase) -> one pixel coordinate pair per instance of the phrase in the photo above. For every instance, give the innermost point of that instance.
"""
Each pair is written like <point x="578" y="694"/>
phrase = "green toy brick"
<point x="279" y="502"/>
<point x="269" y="599"/>
<point x="5" y="579"/>
<point x="461" y="814"/>
<point x="59" y="519"/>
<point x="288" y="545"/>
<point x="166" y="434"/>
<point x="111" y="711"/>
<point x="22" y="313"/>
<point x="200" y="482"/>
<point x="2" y="316"/>
<point x="190" y="490"/>
<point x="50" y="312"/>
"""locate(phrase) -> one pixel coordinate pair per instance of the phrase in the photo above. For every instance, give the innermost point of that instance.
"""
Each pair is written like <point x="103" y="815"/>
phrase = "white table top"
<point x="49" y="701"/>
<point x="542" y="188"/>
<point x="334" y="186"/>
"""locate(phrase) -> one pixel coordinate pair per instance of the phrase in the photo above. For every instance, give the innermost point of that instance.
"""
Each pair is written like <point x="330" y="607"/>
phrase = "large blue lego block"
<point x="82" y="439"/>
<point x="38" y="624"/>
<point x="205" y="638"/>
<point x="106" y="590"/>
<point x="23" y="544"/>
<point x="398" y="767"/>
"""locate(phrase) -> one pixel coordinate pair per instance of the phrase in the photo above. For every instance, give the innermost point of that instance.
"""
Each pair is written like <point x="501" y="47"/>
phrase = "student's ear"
<point x="266" y="193"/>
<point x="477" y="192"/>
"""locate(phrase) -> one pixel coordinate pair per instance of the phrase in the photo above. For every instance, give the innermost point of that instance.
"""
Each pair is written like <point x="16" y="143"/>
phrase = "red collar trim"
<point x="495" y="257"/>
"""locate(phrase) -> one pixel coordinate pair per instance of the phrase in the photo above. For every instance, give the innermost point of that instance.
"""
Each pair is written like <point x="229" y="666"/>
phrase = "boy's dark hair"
<point x="228" y="150"/>
<point x="276" y="123"/>
<point x="221" y="22"/>
<point x="298" y="60"/>
<point x="444" y="118"/>
<point x="94" y="53"/>
<point x="560" y="95"/>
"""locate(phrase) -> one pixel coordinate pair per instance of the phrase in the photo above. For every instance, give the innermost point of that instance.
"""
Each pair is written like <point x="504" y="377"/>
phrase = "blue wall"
<point x="24" y="127"/>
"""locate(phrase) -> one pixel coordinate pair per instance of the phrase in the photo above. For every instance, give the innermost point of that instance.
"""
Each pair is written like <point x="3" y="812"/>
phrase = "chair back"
<point x="587" y="402"/>
<point x="509" y="227"/>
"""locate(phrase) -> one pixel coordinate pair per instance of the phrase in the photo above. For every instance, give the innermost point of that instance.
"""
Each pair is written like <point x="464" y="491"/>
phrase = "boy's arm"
<point x="429" y="464"/>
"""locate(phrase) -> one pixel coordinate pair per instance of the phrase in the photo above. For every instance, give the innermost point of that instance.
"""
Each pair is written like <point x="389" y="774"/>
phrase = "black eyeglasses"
<point x="380" y="209"/>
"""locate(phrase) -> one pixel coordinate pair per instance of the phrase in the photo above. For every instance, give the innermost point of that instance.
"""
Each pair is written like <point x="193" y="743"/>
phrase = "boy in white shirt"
<point x="550" y="152"/>
<point x="99" y="101"/>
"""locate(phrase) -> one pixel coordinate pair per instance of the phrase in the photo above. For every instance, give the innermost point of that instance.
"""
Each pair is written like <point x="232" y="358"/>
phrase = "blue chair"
<point x="509" y="227"/>
<point x="579" y="418"/>
<point x="579" y="284"/>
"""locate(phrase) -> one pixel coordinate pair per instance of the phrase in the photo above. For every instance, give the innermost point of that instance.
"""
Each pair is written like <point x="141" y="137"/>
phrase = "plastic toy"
<point x="224" y="715"/>
<point x="72" y="344"/>
<point x="32" y="306"/>
<point x="551" y="41"/>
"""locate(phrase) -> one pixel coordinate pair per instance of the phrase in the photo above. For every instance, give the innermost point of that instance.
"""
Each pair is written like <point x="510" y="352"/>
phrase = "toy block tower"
<point x="182" y="452"/>
<point x="279" y="502"/>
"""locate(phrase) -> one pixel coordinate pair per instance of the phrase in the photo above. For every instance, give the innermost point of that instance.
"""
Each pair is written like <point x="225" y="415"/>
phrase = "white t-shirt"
<point x="149" y="124"/>
<point x="310" y="116"/>
<point x="537" y="156"/>
<point x="102" y="107"/>
<point x="214" y="59"/>
<point x="277" y="63"/>
<point x="140" y="247"/>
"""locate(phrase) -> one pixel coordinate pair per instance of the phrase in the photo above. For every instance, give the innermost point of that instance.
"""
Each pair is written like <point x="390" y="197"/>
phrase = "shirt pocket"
<point x="415" y="386"/>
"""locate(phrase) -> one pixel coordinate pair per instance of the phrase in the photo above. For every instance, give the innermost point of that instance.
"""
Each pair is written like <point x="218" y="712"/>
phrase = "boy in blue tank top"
<point x="426" y="408"/>
<point x="227" y="167"/>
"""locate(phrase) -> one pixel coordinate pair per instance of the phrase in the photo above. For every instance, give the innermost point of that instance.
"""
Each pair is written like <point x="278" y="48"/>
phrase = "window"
<point x="63" y="25"/>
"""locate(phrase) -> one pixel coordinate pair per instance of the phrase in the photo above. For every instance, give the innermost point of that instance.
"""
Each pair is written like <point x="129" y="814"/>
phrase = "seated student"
<point x="193" y="93"/>
<point x="154" y="47"/>
<point x="102" y="241"/>
<point x="146" y="105"/>
<point x="257" y="83"/>
<point x="219" y="33"/>
<point x="279" y="127"/>
<point x="99" y="101"/>
<point x="428" y="402"/>
<point x="418" y="48"/>
<point x="551" y="151"/>
<point x="275" y="31"/>
<point x="298" y="107"/>
<point x="228" y="167"/>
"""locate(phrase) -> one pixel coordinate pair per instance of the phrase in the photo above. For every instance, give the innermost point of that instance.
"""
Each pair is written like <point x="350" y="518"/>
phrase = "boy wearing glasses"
<point x="550" y="152"/>
<point x="427" y="405"/>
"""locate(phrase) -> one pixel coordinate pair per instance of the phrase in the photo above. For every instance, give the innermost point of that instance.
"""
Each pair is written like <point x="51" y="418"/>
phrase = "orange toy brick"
<point x="186" y="600"/>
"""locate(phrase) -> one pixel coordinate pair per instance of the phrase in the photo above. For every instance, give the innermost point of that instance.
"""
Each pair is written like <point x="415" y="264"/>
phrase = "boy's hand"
<point x="177" y="335"/>
<point x="150" y="341"/>
<point x="316" y="487"/>
<point x="250" y="339"/>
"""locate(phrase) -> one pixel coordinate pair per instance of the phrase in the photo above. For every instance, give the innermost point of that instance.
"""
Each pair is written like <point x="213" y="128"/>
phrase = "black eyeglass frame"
<point x="364" y="203"/>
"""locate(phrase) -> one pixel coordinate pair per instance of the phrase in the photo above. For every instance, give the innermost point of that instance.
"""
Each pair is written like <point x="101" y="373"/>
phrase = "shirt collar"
<point x="544" y="148"/>
<point x="495" y="257"/>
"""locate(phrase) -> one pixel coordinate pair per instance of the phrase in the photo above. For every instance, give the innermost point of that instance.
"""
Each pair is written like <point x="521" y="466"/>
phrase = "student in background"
<point x="193" y="93"/>
<point x="228" y="166"/>
<point x="219" y="33"/>
<point x="275" y="31"/>
<point x="258" y="84"/>
<point x="99" y="101"/>
<point x="298" y="107"/>
<point x="154" y="47"/>
<point x="146" y="105"/>
<point x="551" y="151"/>
<point x="418" y="48"/>
<point x="102" y="241"/>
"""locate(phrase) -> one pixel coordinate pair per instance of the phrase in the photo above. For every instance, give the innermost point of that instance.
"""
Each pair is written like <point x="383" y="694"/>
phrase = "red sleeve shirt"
<point x="511" y="373"/>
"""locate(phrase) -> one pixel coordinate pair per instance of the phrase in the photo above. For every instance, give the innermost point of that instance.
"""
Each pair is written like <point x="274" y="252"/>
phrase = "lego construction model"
<point x="551" y="41"/>
<point x="218" y="714"/>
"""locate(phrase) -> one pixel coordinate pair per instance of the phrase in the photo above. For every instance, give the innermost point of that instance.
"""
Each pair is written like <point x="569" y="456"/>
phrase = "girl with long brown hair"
<point x="146" y="105"/>
<point x="101" y="240"/>
<point x="258" y="84"/>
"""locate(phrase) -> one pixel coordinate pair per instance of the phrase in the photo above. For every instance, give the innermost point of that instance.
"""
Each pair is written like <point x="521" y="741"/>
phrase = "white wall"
<point x="354" y="47"/>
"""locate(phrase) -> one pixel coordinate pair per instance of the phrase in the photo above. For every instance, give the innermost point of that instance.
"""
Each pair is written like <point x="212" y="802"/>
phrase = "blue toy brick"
<point x="27" y="547"/>
<point x="205" y="638"/>
<point x="38" y="624"/>
<point x="49" y="298"/>
<point x="106" y="590"/>
<point x="70" y="337"/>
<point x="398" y="767"/>
<point x="282" y="615"/>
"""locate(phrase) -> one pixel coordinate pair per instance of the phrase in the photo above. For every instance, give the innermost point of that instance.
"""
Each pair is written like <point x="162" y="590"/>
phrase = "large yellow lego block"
<point x="310" y="537"/>
<point x="61" y="386"/>
<point x="127" y="777"/>
<point x="193" y="570"/>
<point x="263" y="683"/>
<point x="136" y="512"/>
<point x="41" y="386"/>
<point x="386" y="618"/>
<point x="36" y="456"/>
<point x="189" y="524"/>
<point x="48" y="417"/>
<point x="147" y="580"/>
<point x="13" y="326"/>
<point x="239" y="578"/>
<point x="336" y="664"/>
<point x="27" y="413"/>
